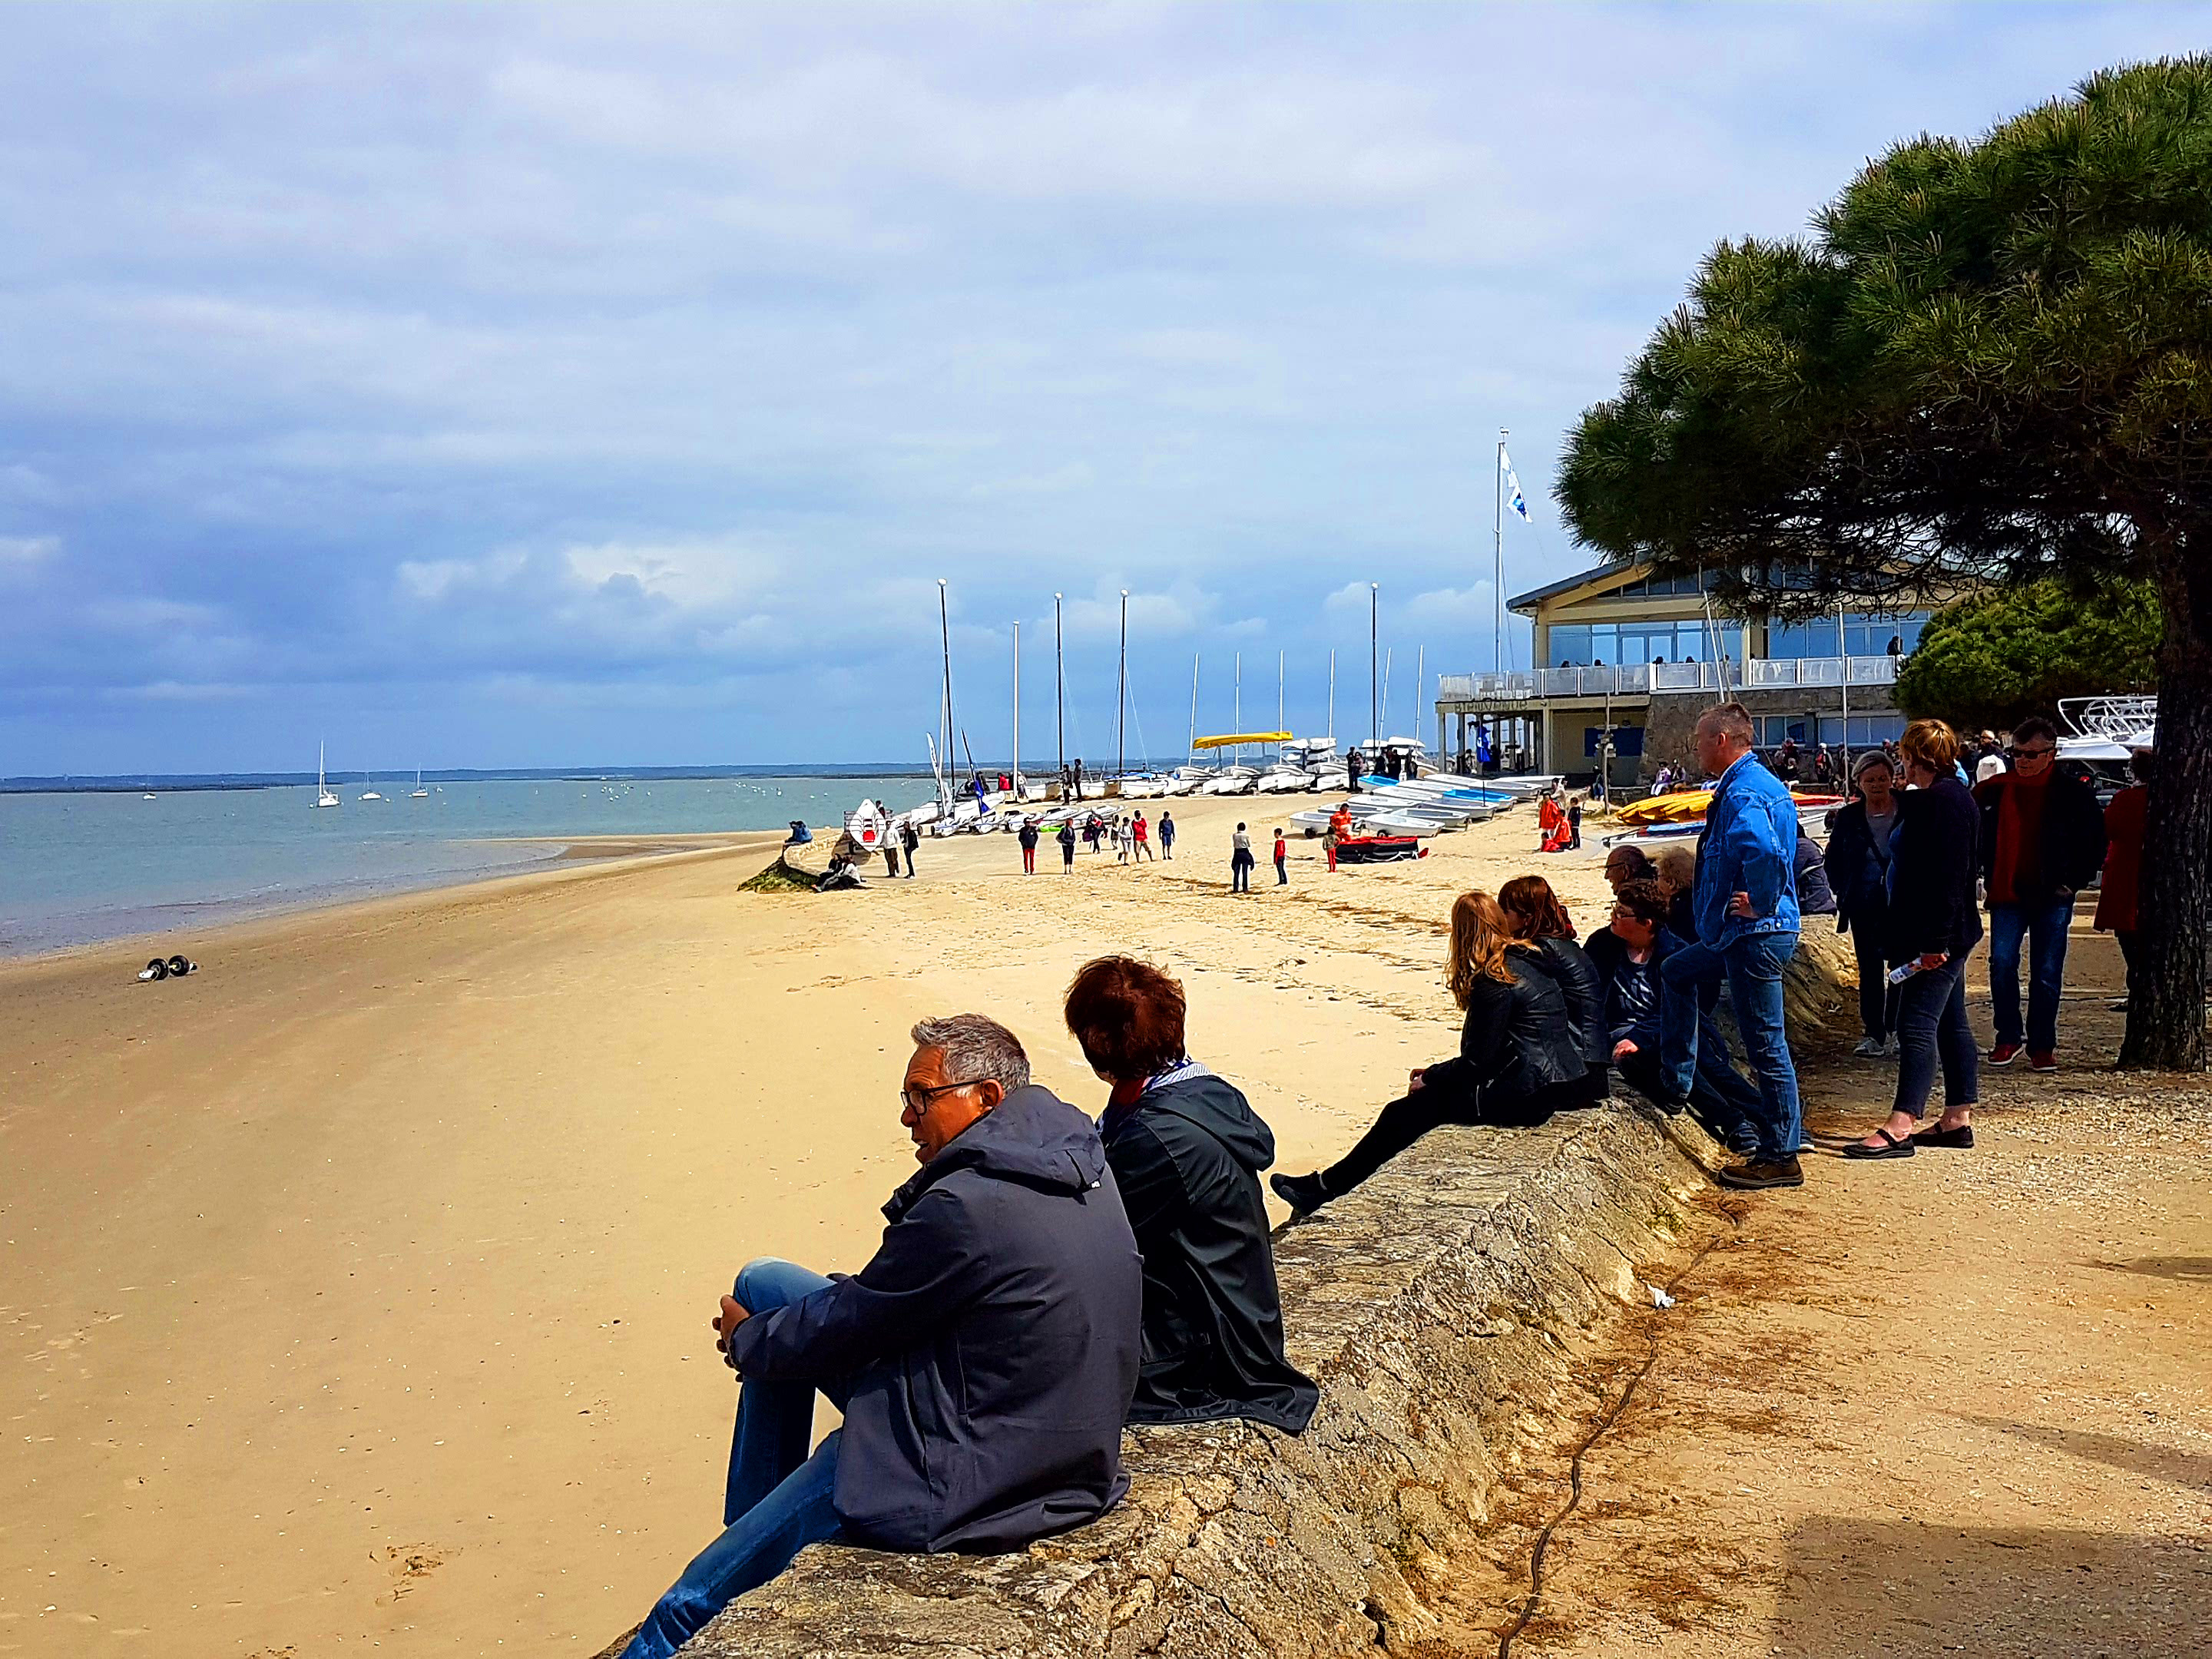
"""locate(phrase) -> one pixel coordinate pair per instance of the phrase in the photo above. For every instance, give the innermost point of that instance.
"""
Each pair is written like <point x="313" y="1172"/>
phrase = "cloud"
<point x="651" y="366"/>
<point x="23" y="550"/>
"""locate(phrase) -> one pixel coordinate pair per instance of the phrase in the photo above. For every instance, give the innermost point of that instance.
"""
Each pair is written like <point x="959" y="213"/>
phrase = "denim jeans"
<point x="1752" y="966"/>
<point x="2044" y="926"/>
<point x="778" y="1500"/>
<point x="1931" y="1023"/>
<point x="1722" y="1102"/>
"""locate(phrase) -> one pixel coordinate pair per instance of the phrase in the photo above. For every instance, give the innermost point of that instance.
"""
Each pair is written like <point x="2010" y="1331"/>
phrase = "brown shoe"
<point x="1761" y="1173"/>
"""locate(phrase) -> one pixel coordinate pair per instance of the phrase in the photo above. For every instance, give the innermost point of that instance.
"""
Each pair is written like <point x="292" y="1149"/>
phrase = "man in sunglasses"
<point x="2042" y="841"/>
<point x="984" y="1359"/>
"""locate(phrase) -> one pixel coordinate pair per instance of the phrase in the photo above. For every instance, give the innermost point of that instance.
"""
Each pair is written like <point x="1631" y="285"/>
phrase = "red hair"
<point x="1127" y="1016"/>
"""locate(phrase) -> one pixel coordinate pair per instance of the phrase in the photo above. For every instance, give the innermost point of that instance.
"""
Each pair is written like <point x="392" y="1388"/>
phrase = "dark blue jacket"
<point x="1933" y="866"/>
<point x="1749" y="846"/>
<point x="1186" y="1156"/>
<point x="1858" y="870"/>
<point x="991" y="1343"/>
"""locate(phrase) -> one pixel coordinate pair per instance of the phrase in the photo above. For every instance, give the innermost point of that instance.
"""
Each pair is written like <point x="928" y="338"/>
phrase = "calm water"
<point x="76" y="868"/>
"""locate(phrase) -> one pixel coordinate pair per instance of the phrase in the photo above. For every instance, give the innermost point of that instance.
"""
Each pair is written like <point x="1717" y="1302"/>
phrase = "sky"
<point x="535" y="386"/>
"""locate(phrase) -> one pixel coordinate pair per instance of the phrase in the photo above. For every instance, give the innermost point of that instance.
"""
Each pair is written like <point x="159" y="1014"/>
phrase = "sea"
<point x="80" y="865"/>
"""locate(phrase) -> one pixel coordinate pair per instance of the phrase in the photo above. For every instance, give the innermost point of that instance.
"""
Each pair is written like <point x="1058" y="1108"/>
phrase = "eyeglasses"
<point x="2037" y="753"/>
<point x="918" y="1106"/>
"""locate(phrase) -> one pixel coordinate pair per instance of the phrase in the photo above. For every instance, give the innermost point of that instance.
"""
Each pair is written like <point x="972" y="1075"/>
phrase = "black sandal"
<point x="1959" y="1139"/>
<point x="1892" y="1147"/>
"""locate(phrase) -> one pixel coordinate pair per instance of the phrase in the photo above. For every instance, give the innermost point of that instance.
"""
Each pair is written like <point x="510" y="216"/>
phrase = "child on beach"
<point x="1141" y="830"/>
<point x="1167" y="834"/>
<point x="1067" y="840"/>
<point x="1282" y="854"/>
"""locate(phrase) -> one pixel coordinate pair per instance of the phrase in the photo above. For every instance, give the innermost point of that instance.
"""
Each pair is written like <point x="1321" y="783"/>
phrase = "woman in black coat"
<point x="1858" y="870"/>
<point x="1934" y="922"/>
<point x="1520" y="1056"/>
<point x="1538" y="918"/>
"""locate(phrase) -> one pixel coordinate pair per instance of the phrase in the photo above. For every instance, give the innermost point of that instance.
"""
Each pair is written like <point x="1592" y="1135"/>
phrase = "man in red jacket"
<point x="2043" y="840"/>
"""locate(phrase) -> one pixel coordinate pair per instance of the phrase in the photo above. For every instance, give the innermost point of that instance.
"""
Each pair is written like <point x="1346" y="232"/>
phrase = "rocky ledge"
<point x="1438" y="1307"/>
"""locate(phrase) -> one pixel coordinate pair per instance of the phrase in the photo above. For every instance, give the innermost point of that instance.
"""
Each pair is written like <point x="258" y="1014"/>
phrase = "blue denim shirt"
<point x="1749" y="846"/>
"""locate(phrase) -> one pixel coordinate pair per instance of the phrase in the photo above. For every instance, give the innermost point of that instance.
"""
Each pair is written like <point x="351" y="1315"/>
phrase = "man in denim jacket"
<point x="1746" y="908"/>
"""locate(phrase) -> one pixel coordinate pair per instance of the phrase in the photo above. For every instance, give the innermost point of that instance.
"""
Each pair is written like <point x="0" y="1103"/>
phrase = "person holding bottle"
<point x="1934" y="923"/>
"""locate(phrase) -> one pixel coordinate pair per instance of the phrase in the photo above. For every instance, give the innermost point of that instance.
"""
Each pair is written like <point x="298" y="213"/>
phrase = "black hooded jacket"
<point x="1187" y="1155"/>
<point x="991" y="1343"/>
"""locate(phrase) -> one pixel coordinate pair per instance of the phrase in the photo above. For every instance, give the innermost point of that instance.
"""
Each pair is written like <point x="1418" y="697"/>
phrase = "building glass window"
<point x="1867" y="730"/>
<point x="1636" y="643"/>
<point x="1865" y="634"/>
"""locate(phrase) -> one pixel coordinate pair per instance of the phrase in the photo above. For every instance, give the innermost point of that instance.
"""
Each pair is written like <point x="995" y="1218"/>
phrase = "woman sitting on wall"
<point x="1537" y="918"/>
<point x="1520" y="1056"/>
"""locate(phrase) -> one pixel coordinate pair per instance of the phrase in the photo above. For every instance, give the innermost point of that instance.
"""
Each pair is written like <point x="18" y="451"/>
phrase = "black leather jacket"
<point x="1518" y="1040"/>
<point x="1584" y="991"/>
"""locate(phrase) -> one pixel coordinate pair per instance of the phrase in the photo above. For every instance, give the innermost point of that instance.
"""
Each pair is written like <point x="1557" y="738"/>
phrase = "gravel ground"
<point x="1953" y="1404"/>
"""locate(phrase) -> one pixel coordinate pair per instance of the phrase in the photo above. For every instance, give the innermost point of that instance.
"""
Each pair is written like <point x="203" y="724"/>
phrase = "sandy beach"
<point x="358" y="1286"/>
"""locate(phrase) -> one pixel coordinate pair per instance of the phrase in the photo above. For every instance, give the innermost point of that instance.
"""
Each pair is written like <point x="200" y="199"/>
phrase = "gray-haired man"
<point x="984" y="1359"/>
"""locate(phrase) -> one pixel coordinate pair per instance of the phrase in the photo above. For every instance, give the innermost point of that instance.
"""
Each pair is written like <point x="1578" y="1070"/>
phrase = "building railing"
<point x="1646" y="679"/>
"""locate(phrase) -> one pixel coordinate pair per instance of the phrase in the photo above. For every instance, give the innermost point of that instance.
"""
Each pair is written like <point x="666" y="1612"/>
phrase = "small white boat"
<point x="368" y="794"/>
<point x="323" y="795"/>
<point x="1284" y="778"/>
<point x="1232" y="781"/>
<point x="420" y="793"/>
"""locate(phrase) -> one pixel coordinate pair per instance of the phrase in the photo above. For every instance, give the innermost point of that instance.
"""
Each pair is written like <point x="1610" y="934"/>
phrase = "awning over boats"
<point x="1237" y="739"/>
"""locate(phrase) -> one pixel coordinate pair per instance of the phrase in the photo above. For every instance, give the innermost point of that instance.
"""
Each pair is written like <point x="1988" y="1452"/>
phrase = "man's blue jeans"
<point x="1752" y="966"/>
<point x="2043" y="926"/>
<point x="778" y="1500"/>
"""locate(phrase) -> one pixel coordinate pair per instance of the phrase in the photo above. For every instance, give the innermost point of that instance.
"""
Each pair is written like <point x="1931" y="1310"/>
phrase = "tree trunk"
<point x="2165" y="1007"/>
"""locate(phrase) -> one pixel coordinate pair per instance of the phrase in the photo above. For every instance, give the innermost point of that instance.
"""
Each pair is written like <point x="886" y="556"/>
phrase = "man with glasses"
<point x="984" y="1359"/>
<point x="2042" y="841"/>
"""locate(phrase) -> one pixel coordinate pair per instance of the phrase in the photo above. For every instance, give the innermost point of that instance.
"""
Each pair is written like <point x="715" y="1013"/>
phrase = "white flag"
<point x="1514" y="498"/>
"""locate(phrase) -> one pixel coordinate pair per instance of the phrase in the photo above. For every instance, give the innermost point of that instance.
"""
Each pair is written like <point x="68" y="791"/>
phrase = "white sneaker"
<point x="1869" y="1048"/>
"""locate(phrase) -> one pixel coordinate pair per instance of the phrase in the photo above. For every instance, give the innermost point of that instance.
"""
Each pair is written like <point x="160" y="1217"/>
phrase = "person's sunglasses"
<point x="907" y="1096"/>
<point x="2036" y="753"/>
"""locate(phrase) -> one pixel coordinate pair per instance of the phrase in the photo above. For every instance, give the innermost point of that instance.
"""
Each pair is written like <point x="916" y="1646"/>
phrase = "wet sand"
<point x="357" y="1288"/>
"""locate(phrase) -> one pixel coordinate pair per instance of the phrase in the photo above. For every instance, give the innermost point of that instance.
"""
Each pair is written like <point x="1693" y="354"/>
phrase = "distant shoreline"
<point x="194" y="782"/>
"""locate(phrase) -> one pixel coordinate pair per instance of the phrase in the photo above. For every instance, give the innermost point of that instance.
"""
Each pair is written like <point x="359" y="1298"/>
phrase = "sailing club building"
<point x="1618" y="648"/>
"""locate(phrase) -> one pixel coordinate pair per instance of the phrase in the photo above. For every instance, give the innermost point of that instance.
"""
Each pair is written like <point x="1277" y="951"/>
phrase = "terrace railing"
<point x="1646" y="679"/>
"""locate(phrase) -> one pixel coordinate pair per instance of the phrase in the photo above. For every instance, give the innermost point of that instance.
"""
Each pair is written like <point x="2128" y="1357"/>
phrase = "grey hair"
<point x="1728" y="720"/>
<point x="1872" y="757"/>
<point x="976" y="1048"/>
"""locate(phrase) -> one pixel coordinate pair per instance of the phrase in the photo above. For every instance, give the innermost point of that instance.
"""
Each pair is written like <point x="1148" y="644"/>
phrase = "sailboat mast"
<point x="1420" y="689"/>
<point x="1121" y="694"/>
<point x="1237" y="707"/>
<point x="1374" y="678"/>
<point x="1332" y="696"/>
<point x="944" y="624"/>
<point x="1058" y="691"/>
<point x="1278" y="689"/>
<point x="1018" y="711"/>
<point x="1193" y="705"/>
<point x="1386" y="695"/>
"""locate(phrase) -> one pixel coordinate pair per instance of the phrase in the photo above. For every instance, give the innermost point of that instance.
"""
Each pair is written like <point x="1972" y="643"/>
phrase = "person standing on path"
<point x="1142" y="831"/>
<point x="1282" y="858"/>
<point x="1167" y="834"/>
<point x="2123" y="846"/>
<point x="1935" y="923"/>
<point x="1858" y="865"/>
<point x="1240" y="861"/>
<point x="1067" y="840"/>
<point x="909" y="838"/>
<point x="1744" y="905"/>
<point x="2042" y="840"/>
<point x="1028" y="837"/>
<point x="1574" y="823"/>
<point x="891" y="853"/>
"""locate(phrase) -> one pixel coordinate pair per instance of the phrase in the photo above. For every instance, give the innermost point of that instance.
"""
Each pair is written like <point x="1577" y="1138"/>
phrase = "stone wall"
<point x="1671" y="719"/>
<point x="1441" y="1307"/>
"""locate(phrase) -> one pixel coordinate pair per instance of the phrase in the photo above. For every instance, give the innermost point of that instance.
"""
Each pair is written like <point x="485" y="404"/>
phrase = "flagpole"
<point x="1498" y="553"/>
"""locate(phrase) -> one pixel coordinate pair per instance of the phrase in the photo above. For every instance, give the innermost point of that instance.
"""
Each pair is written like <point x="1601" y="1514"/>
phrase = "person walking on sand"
<point x="1067" y="840"/>
<point x="983" y="1360"/>
<point x="909" y="838"/>
<point x="1858" y="861"/>
<point x="1935" y="923"/>
<point x="1142" y="831"/>
<point x="1167" y="834"/>
<point x="1240" y="861"/>
<point x="1744" y="905"/>
<point x="1282" y="861"/>
<point x="891" y="853"/>
<point x="1120" y="833"/>
<point x="1028" y="837"/>
<point x="1520" y="1058"/>
<point x="2042" y="841"/>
